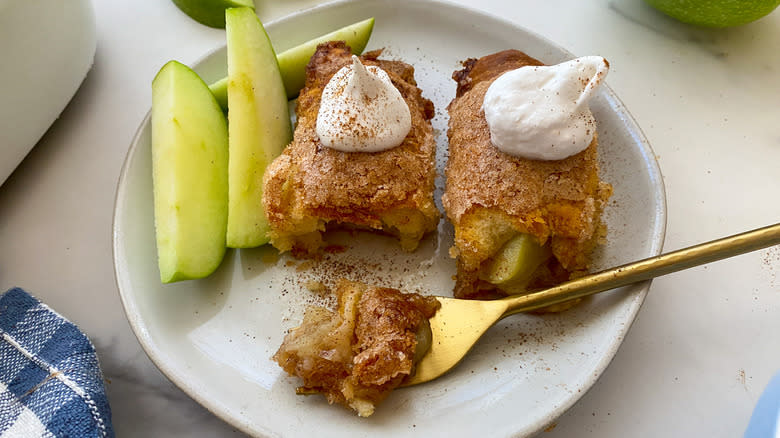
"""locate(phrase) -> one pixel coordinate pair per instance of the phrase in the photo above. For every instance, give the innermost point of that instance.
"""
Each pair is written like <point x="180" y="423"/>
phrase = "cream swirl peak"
<point x="542" y="112"/>
<point x="362" y="111"/>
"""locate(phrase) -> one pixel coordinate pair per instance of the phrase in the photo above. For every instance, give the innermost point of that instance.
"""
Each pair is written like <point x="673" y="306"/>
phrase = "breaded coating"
<point x="491" y="196"/>
<point x="310" y="186"/>
<point x="359" y="354"/>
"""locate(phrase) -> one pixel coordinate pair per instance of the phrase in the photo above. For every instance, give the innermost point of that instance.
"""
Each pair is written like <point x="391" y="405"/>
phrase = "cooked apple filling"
<point x="357" y="355"/>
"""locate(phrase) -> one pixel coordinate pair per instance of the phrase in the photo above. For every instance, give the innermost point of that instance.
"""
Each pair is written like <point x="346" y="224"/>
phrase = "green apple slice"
<point x="259" y="125"/>
<point x="292" y="62"/>
<point x="189" y="172"/>
<point x="219" y="90"/>
<point x="210" y="12"/>
<point x="513" y="266"/>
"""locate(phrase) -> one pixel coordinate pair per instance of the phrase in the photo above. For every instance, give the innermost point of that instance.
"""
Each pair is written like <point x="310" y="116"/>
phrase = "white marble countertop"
<point x="705" y="342"/>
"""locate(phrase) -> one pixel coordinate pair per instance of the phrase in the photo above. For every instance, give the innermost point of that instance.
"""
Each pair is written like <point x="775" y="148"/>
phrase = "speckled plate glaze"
<point x="214" y="337"/>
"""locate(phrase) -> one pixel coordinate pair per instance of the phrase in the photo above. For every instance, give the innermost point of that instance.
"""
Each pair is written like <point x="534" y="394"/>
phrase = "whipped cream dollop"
<point x="542" y="112"/>
<point x="362" y="111"/>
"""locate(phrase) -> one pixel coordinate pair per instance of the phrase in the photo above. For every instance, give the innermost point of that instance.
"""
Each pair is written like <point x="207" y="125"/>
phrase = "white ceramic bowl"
<point x="47" y="48"/>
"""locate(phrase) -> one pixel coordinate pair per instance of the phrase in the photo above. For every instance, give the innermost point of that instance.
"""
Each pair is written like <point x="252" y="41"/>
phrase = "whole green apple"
<point x="210" y="12"/>
<point x="715" y="13"/>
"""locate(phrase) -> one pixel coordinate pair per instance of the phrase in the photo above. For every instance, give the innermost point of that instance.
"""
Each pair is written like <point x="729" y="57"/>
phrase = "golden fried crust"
<point x="480" y="174"/>
<point x="310" y="180"/>
<point x="385" y="332"/>
<point x="357" y="356"/>
<point x="488" y="68"/>
<point x="559" y="199"/>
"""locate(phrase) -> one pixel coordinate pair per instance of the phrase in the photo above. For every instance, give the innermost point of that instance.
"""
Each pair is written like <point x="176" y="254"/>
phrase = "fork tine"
<point x="456" y="327"/>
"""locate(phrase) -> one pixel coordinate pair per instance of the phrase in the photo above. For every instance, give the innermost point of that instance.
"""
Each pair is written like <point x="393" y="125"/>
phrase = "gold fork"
<point x="458" y="324"/>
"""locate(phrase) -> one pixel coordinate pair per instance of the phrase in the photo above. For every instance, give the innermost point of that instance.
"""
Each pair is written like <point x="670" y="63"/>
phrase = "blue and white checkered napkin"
<point x="50" y="380"/>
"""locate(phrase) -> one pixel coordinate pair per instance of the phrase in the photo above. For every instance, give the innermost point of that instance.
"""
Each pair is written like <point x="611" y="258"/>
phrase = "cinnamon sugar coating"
<point x="310" y="185"/>
<point x="357" y="356"/>
<point x="559" y="200"/>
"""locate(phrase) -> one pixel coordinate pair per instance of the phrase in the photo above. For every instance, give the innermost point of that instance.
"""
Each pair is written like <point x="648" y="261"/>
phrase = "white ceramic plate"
<point x="214" y="337"/>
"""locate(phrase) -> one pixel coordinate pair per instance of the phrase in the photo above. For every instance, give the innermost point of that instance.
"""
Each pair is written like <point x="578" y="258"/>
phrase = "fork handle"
<point x="646" y="269"/>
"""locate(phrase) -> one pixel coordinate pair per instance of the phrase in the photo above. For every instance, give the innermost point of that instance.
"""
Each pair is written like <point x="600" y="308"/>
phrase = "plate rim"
<point x="149" y="346"/>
